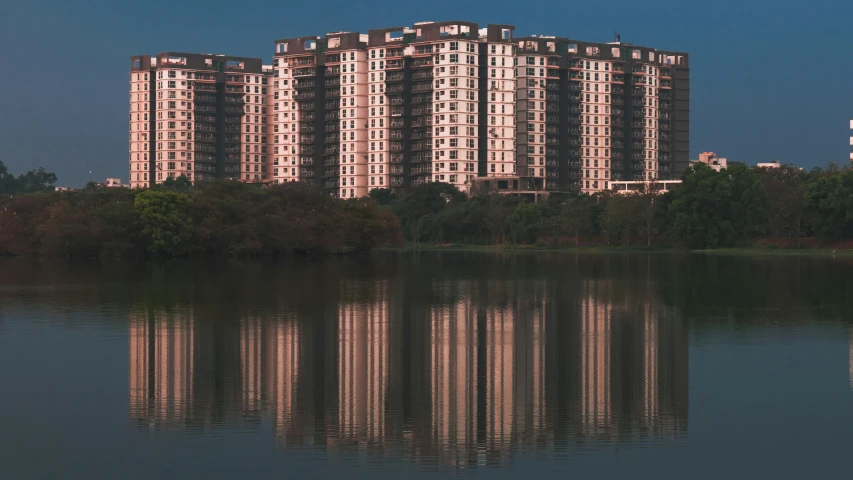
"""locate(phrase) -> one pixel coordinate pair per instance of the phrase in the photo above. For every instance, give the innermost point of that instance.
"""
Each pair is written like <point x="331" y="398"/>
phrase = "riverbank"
<point x="760" y="250"/>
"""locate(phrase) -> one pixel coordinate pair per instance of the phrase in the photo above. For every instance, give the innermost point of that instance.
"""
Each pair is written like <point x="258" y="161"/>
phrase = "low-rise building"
<point x="628" y="187"/>
<point x="712" y="160"/>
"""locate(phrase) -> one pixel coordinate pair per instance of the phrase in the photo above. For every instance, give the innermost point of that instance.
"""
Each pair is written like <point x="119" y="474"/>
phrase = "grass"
<point x="755" y="250"/>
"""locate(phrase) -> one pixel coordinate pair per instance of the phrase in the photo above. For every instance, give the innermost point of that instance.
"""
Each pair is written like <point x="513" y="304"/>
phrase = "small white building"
<point x="637" y="186"/>
<point x="113" y="183"/>
<point x="773" y="164"/>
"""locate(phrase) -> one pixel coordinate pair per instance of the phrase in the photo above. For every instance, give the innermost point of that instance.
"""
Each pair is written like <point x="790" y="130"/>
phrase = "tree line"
<point x="37" y="180"/>
<point x="738" y="206"/>
<point x="178" y="220"/>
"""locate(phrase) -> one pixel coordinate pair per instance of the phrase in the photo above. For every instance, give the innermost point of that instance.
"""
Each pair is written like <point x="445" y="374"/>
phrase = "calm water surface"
<point x="430" y="365"/>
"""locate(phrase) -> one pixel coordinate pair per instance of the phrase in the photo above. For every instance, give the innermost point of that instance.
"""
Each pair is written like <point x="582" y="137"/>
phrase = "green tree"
<point x="416" y="203"/>
<point x="712" y="209"/>
<point x="166" y="224"/>
<point x="383" y="196"/>
<point x="524" y="223"/>
<point x="830" y="199"/>
<point x="572" y="217"/>
<point x="786" y="191"/>
<point x="622" y="217"/>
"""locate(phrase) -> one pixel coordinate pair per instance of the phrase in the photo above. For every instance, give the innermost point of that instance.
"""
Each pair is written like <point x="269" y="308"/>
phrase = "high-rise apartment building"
<point x="320" y="112"/>
<point x="435" y="102"/>
<point x="200" y="116"/>
<point x="395" y="107"/>
<point x="590" y="113"/>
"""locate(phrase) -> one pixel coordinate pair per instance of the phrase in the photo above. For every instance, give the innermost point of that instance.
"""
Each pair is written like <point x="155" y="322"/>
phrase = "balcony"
<point x="306" y="128"/>
<point x="333" y="82"/>
<point x="394" y="89"/>
<point x="617" y="101"/>
<point x="422" y="87"/>
<point x="331" y="150"/>
<point x="422" y="75"/>
<point x="330" y="139"/>
<point x="332" y="93"/>
<point x="307" y="139"/>
<point x="393" y="64"/>
<point x="394" y="77"/>
<point x="333" y="70"/>
<point x="305" y="95"/>
<point x="304" y="84"/>
<point x="304" y="72"/>
<point x="333" y="105"/>
<point x="418" y="62"/>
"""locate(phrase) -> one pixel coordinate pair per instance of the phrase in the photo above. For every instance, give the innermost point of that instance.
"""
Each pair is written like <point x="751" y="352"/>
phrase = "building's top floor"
<point x="614" y="51"/>
<point x="312" y="45"/>
<point x="399" y="38"/>
<point x="196" y="61"/>
<point x="421" y="32"/>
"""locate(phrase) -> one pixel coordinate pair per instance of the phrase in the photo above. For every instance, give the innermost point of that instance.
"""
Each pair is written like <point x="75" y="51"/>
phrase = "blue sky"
<point x="770" y="79"/>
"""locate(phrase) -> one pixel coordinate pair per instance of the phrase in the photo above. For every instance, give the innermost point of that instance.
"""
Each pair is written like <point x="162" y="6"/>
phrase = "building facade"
<point x="199" y="116"/>
<point x="592" y="113"/>
<point x="435" y="102"/>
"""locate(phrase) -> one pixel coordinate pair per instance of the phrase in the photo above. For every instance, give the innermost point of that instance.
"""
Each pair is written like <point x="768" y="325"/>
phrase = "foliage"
<point x="165" y="221"/>
<point x="176" y="219"/>
<point x="34" y="181"/>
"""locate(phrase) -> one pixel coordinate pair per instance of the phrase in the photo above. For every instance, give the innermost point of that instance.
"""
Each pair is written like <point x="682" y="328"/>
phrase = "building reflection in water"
<point x="481" y="371"/>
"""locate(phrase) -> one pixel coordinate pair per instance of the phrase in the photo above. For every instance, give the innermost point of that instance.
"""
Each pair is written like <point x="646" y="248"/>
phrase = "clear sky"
<point x="770" y="79"/>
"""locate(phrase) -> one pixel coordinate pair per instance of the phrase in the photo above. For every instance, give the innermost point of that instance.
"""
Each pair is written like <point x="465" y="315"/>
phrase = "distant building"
<point x="712" y="160"/>
<point x="773" y="164"/>
<point x="113" y="183"/>
<point x="62" y="189"/>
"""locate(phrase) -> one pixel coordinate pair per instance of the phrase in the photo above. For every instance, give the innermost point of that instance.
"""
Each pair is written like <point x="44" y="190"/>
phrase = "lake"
<point x="429" y="365"/>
